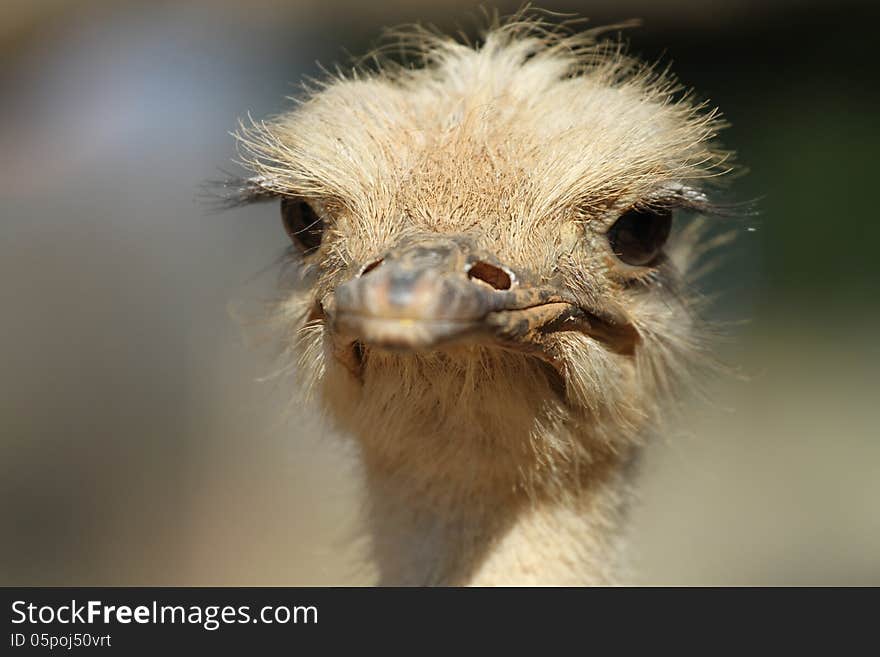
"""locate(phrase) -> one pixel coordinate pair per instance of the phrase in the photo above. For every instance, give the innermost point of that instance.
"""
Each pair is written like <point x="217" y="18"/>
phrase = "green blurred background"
<point x="137" y="445"/>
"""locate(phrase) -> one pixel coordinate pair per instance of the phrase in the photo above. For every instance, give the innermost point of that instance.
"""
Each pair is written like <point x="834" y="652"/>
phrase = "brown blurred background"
<point x="137" y="445"/>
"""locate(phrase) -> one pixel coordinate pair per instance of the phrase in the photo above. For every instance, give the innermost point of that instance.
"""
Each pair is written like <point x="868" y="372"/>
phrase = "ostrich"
<point x="487" y="292"/>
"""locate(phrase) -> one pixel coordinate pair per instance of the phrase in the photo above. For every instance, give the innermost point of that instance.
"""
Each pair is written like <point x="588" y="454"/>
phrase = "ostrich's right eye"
<point x="303" y="225"/>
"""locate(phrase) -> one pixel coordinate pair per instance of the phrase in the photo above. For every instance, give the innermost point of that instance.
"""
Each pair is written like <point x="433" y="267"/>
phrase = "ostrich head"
<point x="486" y="288"/>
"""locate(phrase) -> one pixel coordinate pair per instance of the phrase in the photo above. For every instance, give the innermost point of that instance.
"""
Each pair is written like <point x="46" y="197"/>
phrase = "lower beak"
<point x="434" y="291"/>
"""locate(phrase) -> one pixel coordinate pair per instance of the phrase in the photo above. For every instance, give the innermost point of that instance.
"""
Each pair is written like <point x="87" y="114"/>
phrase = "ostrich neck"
<point x="476" y="533"/>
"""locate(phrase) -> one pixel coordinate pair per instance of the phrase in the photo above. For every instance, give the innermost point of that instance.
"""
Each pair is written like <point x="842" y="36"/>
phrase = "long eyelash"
<point x="306" y="229"/>
<point x="234" y="192"/>
<point x="688" y="198"/>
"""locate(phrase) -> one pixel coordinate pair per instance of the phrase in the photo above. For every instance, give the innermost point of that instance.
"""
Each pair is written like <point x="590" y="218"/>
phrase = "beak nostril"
<point x="491" y="275"/>
<point x="371" y="266"/>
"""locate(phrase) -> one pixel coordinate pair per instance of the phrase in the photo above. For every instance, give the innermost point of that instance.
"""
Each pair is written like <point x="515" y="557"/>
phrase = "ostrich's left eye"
<point x="303" y="225"/>
<point x="638" y="235"/>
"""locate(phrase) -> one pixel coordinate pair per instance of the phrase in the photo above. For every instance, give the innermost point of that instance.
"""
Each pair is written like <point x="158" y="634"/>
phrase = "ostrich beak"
<point x="432" y="291"/>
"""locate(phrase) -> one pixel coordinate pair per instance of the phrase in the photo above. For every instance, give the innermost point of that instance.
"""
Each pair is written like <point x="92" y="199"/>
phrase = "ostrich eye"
<point x="638" y="235"/>
<point x="303" y="225"/>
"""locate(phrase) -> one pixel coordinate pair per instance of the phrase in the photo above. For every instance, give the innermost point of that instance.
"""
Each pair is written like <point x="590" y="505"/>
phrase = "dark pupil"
<point x="638" y="235"/>
<point x="302" y="223"/>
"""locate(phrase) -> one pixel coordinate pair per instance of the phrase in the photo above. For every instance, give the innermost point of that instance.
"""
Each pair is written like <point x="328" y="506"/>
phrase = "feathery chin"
<point x="478" y="404"/>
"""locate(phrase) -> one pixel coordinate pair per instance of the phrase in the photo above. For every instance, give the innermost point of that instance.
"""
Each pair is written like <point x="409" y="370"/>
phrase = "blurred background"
<point x="137" y="444"/>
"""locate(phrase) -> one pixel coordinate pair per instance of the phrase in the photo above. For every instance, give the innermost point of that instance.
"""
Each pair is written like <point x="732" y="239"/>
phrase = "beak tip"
<point x="401" y="334"/>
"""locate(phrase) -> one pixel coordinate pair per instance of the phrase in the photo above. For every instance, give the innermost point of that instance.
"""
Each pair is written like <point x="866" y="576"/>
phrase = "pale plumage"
<point x="501" y="454"/>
